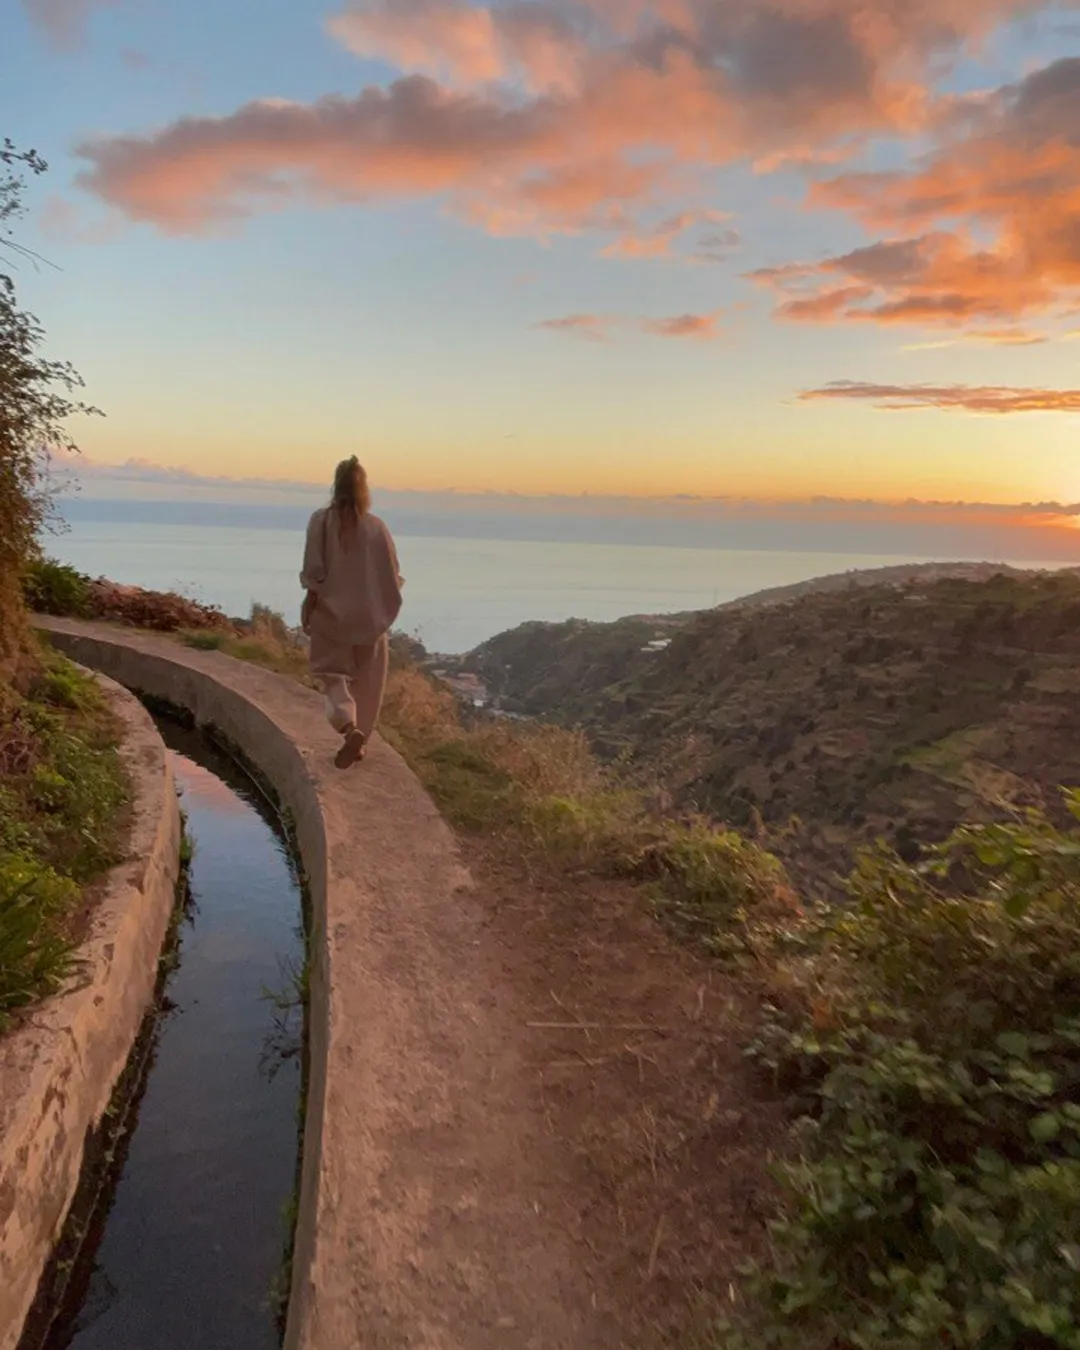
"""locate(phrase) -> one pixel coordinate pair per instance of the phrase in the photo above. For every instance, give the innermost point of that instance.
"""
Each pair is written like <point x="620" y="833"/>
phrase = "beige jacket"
<point x="355" y="578"/>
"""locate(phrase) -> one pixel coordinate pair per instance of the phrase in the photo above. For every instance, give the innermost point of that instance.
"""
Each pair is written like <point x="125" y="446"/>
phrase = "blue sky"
<point x="361" y="315"/>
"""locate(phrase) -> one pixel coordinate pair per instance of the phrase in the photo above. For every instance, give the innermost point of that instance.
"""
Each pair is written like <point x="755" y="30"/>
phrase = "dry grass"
<point x="264" y="640"/>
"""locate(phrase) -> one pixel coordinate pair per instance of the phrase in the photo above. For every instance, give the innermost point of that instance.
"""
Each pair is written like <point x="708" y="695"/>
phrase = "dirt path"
<point x="552" y="1140"/>
<point x="626" y="1074"/>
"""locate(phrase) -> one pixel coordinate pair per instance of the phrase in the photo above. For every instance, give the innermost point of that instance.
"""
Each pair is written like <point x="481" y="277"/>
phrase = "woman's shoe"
<point x="353" y="748"/>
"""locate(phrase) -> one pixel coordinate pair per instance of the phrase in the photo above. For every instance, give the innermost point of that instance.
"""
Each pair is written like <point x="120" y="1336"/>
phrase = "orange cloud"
<point x="599" y="327"/>
<point x="412" y="139"/>
<point x="455" y="41"/>
<point x="465" y="44"/>
<point x="933" y="280"/>
<point x="998" y="207"/>
<point x="592" y="327"/>
<point x="700" y="327"/>
<point x="987" y="337"/>
<point x="997" y="399"/>
<point x="553" y="115"/>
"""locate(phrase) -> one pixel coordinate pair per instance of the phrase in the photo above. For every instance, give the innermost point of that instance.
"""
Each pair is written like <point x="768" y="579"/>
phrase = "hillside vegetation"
<point x="63" y="786"/>
<point x="836" y="718"/>
<point x="63" y="798"/>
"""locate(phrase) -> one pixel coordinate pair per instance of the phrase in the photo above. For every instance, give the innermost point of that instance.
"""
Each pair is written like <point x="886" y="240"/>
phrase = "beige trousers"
<point x="353" y="680"/>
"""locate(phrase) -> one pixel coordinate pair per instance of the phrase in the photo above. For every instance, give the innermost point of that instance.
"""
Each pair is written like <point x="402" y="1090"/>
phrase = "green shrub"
<point x="933" y="1031"/>
<point x="34" y="413"/>
<point x="53" y="588"/>
<point x="205" y="641"/>
<point x="718" y="887"/>
<point x="716" y="871"/>
<point x="65" y="687"/>
<point x="35" y="953"/>
<point x="64" y="797"/>
<point x="267" y="623"/>
<point x="63" y="790"/>
<point x="475" y="793"/>
<point x="600" y="827"/>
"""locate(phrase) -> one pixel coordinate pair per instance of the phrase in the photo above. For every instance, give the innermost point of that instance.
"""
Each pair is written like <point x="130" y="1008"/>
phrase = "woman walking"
<point x="353" y="597"/>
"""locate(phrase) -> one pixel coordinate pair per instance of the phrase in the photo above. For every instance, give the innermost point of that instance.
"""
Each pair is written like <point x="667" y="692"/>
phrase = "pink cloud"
<point x="699" y="327"/>
<point x="658" y="240"/>
<point x="600" y="327"/>
<point x="462" y="43"/>
<point x="997" y="207"/>
<point x="591" y="327"/>
<point x="67" y="222"/>
<point x="554" y="115"/>
<point x="63" y="22"/>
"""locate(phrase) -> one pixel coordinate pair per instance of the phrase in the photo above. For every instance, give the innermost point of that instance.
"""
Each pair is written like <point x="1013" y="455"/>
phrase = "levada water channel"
<point x="184" y="1244"/>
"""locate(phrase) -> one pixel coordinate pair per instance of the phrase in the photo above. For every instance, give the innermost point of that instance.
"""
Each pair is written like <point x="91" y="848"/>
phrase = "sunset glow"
<point x="610" y="246"/>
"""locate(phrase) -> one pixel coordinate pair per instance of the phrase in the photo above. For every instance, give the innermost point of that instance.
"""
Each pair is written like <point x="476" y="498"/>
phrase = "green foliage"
<point x="474" y="791"/>
<point x="714" y="874"/>
<point x="62" y="686"/>
<point x="62" y="796"/>
<point x="54" y="588"/>
<point x="598" y="826"/>
<point x="35" y="953"/>
<point x="73" y="795"/>
<point x="717" y="888"/>
<point x="205" y="642"/>
<point x="34" y="406"/>
<point x="263" y="640"/>
<point x="934" y="1036"/>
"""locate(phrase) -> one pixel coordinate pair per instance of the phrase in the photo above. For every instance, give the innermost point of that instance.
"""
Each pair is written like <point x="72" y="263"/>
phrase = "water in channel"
<point x="186" y="1254"/>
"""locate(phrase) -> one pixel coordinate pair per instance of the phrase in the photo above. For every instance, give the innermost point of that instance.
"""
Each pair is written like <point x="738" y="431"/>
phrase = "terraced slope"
<point x="836" y="716"/>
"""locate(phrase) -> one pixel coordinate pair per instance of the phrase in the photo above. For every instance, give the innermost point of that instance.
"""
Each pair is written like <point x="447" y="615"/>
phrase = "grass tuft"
<point x="63" y="791"/>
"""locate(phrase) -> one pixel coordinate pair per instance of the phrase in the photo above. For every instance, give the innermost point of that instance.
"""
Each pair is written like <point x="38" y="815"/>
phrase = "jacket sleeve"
<point x="314" y="574"/>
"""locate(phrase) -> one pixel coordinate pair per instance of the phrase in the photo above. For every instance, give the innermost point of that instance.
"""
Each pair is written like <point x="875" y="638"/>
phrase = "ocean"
<point x="458" y="591"/>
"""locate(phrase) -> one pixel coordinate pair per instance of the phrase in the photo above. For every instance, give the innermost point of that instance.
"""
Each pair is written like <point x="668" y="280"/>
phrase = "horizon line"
<point x="137" y="470"/>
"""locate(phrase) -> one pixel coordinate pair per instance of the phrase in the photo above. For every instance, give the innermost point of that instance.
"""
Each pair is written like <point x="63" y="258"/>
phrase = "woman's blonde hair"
<point x="352" y="496"/>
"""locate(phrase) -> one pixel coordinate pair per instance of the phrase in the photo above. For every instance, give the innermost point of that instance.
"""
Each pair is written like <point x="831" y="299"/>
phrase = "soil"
<point x="658" y="1135"/>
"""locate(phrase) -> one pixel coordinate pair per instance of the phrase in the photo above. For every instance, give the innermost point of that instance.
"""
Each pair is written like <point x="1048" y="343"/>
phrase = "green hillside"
<point x="837" y="716"/>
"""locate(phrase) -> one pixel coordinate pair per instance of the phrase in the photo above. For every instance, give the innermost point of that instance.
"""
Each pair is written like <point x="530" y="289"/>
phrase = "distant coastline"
<point x="951" y="532"/>
<point x="462" y="589"/>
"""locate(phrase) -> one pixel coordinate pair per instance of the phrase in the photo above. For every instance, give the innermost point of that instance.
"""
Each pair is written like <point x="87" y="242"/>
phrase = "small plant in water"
<point x="284" y="1042"/>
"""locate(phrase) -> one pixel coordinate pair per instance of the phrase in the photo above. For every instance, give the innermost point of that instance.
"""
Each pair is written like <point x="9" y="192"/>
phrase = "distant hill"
<point x="900" y="575"/>
<point x="837" y="711"/>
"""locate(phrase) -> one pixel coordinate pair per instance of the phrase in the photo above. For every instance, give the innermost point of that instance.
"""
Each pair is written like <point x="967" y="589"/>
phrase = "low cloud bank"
<point x="140" y="493"/>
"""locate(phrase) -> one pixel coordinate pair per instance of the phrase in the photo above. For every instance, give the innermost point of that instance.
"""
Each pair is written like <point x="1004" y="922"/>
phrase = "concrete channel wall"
<point x="59" y="1069"/>
<point x="386" y="998"/>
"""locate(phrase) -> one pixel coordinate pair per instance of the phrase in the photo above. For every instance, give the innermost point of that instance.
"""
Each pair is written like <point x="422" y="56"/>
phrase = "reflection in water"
<point x="187" y="1254"/>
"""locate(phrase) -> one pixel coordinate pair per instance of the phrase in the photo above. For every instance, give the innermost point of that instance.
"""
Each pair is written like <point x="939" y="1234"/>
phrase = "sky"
<point x="765" y="249"/>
